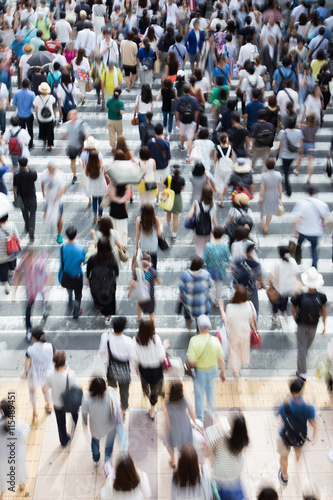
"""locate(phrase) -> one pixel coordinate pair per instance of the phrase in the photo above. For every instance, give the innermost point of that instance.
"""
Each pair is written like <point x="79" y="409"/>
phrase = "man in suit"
<point x="269" y="56"/>
<point x="193" y="44"/>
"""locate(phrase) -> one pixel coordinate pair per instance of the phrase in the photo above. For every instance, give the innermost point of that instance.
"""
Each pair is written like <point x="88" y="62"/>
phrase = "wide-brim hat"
<point x="242" y="166"/>
<point x="5" y="205"/>
<point x="312" y="279"/>
<point x="241" y="199"/>
<point x="90" y="143"/>
<point x="44" y="88"/>
<point x="28" y="48"/>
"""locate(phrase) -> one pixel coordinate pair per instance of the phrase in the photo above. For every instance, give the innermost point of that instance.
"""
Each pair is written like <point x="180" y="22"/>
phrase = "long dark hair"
<point x="81" y="53"/>
<point x="148" y="218"/>
<point x="284" y="252"/>
<point x="239" y="437"/>
<point x="105" y="225"/>
<point x="146" y="332"/>
<point x="176" y="172"/>
<point x="146" y="93"/>
<point x="104" y="252"/>
<point x="93" y="165"/>
<point x="151" y="35"/>
<point x="146" y="44"/>
<point x="188" y="472"/>
<point x="127" y="478"/>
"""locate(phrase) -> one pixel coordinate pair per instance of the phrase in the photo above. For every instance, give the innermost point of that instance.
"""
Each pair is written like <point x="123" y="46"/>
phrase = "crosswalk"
<point x="80" y="338"/>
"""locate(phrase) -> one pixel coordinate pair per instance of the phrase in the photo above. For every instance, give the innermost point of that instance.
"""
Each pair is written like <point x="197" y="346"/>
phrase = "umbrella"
<point x="125" y="172"/>
<point x="40" y="58"/>
<point x="5" y="206"/>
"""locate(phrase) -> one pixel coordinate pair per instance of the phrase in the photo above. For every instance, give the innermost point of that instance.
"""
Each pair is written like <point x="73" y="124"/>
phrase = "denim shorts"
<point x="309" y="149"/>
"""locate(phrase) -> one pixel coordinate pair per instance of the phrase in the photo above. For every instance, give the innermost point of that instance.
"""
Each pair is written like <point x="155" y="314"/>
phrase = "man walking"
<point x="262" y="134"/>
<point x="307" y="309"/>
<point x="308" y="225"/>
<point x="23" y="101"/>
<point x="295" y="415"/>
<point x="180" y="50"/>
<point x="187" y="111"/>
<point x="53" y="184"/>
<point x="204" y="354"/>
<point x="24" y="186"/>
<point x="72" y="256"/>
<point x="128" y="52"/>
<point x="159" y="149"/>
<point x="194" y="43"/>
<point x="77" y="132"/>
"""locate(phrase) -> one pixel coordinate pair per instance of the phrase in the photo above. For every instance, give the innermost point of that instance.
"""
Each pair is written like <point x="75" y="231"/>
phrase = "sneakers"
<point x="174" y="236"/>
<point x="295" y="172"/>
<point x="96" y="464"/>
<point x="7" y="288"/>
<point x="181" y="147"/>
<point x="77" y="314"/>
<point x="59" y="239"/>
<point x="28" y="335"/>
<point x="187" y="157"/>
<point x="303" y="376"/>
<point x="74" y="179"/>
<point x="107" y="321"/>
<point x="284" y="480"/>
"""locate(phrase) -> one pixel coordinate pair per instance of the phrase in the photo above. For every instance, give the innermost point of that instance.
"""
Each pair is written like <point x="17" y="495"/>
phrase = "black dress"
<point x="110" y="308"/>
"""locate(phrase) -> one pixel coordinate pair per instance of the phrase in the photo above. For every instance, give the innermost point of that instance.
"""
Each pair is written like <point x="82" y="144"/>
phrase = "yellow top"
<point x="204" y="359"/>
<point x="108" y="79"/>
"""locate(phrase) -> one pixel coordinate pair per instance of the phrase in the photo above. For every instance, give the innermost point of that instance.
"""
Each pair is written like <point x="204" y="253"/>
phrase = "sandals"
<point x="48" y="408"/>
<point x="151" y="418"/>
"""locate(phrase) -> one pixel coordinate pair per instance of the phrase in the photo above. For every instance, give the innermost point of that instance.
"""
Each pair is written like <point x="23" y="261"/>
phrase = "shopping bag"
<point x="223" y="336"/>
<point x="167" y="197"/>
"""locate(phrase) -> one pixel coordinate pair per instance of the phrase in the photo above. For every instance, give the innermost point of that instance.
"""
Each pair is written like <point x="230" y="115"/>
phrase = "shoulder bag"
<point x="141" y="290"/>
<point x="273" y="295"/>
<point x="166" y="199"/>
<point x="255" y="339"/>
<point x="72" y="397"/>
<point x="68" y="281"/>
<point x="162" y="151"/>
<point x="13" y="243"/>
<point x="118" y="371"/>
<point x="189" y="371"/>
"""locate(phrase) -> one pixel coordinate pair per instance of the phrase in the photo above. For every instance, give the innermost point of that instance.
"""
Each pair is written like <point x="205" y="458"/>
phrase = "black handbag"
<point x="162" y="243"/>
<point x="18" y="202"/>
<point x="118" y="371"/>
<point x="68" y="281"/>
<point x="328" y="168"/>
<point x="72" y="398"/>
<point x="150" y="186"/>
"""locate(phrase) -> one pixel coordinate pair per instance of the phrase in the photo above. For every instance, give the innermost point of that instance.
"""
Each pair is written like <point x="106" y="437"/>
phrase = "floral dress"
<point x="215" y="257"/>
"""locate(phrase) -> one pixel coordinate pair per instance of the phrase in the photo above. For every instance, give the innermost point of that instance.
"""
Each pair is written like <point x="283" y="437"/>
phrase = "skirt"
<point x="46" y="132"/>
<point x="178" y="205"/>
<point x="239" y="353"/>
<point x="152" y="383"/>
<point x="107" y="309"/>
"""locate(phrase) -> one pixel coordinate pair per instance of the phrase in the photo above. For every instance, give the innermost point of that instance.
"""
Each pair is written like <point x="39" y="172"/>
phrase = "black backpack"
<point x="244" y="219"/>
<point x="203" y="222"/>
<point x="309" y="309"/>
<point x="265" y="137"/>
<point x="295" y="428"/>
<point x="186" y="111"/>
<point x="55" y="84"/>
<point x="102" y="284"/>
<point x="45" y="111"/>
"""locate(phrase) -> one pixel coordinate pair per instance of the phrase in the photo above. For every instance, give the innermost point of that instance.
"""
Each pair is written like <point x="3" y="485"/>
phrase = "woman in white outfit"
<point x="223" y="161"/>
<point x="127" y="483"/>
<point x="37" y="364"/>
<point x="148" y="165"/>
<point x="99" y="12"/>
<point x="81" y="69"/>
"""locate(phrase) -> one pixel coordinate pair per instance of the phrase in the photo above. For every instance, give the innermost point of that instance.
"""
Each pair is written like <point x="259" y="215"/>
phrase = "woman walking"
<point x="45" y="106"/>
<point x="126" y="482"/>
<point x="171" y="67"/>
<point x="98" y="16"/>
<point x="190" y="480"/>
<point x="177" y="184"/>
<point x="145" y="58"/>
<point x="7" y="262"/>
<point x="150" y="356"/>
<point x="228" y="461"/>
<point x="313" y="104"/>
<point x="198" y="178"/>
<point x="102" y="422"/>
<point x="167" y="94"/>
<point x="66" y="97"/>
<point x="309" y="131"/>
<point x="283" y="278"/>
<point x="203" y="148"/>
<point x="289" y="137"/>
<point x="104" y="298"/>
<point x="148" y="165"/>
<point x="60" y="378"/>
<point x="240" y="316"/>
<point x="223" y="161"/>
<point x="205" y="219"/>
<point x="148" y="229"/>
<point x="143" y="103"/>
<point x="81" y="69"/>
<point x="96" y="183"/>
<point x="106" y="230"/>
<point x="215" y="256"/>
<point x="119" y="196"/>
<point x="116" y="109"/>
<point x="270" y="194"/>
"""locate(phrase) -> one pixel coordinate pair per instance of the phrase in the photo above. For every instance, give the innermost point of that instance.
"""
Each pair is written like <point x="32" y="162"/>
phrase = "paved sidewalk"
<point x="57" y="473"/>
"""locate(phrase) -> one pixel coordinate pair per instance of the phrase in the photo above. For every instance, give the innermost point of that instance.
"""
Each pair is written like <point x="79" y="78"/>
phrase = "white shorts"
<point x="187" y="129"/>
<point x="162" y="174"/>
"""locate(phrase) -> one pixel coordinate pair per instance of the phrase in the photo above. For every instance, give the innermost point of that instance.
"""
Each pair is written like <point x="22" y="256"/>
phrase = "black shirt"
<point x="248" y="30"/>
<point x="167" y="96"/>
<point x="176" y="186"/>
<point x="237" y="138"/>
<point x="25" y="183"/>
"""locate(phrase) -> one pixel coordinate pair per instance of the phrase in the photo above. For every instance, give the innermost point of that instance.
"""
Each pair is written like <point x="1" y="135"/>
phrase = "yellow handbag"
<point x="167" y="197"/>
<point x="141" y="187"/>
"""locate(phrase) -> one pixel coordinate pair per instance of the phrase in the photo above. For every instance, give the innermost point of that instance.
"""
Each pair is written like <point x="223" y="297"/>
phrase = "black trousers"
<point x="29" y="215"/>
<point x="61" y="423"/>
<point x="28" y="123"/>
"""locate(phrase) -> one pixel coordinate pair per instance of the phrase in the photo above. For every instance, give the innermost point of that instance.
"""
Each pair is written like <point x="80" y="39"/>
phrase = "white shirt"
<point x="121" y="346"/>
<point x="313" y="105"/>
<point x="239" y="317"/>
<point x="151" y="355"/>
<point x="297" y="11"/>
<point x="284" y="274"/>
<point x="112" y="53"/>
<point x="47" y="101"/>
<point x="26" y="15"/>
<point x="282" y="99"/>
<point x="57" y="382"/>
<point x="61" y="60"/>
<point x="86" y="39"/>
<point x="218" y="21"/>
<point x="23" y="137"/>
<point x="61" y="94"/>
<point x="131" y="21"/>
<point x="268" y="31"/>
<point x="311" y="210"/>
<point x="246" y="86"/>
<point x="41" y="355"/>
<point x="203" y="25"/>
<point x="63" y="29"/>
<point x="144" y="107"/>
<point x="172" y="13"/>
<point x="328" y="23"/>
<point x="24" y="65"/>
<point x="235" y="5"/>
<point x="141" y="492"/>
<point x="53" y="184"/>
<point x="158" y="30"/>
<point x="247" y="52"/>
<point x="3" y="96"/>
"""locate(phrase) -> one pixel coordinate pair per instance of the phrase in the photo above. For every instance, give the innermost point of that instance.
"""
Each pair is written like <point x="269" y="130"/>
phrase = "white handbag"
<point x="141" y="290"/>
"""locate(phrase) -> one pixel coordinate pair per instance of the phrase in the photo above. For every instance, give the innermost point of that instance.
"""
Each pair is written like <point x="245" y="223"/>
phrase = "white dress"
<point x="98" y="18"/>
<point x="96" y="187"/>
<point x="148" y="168"/>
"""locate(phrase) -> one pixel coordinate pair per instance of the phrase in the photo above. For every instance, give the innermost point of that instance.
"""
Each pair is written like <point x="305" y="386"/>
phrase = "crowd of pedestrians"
<point x="244" y="87"/>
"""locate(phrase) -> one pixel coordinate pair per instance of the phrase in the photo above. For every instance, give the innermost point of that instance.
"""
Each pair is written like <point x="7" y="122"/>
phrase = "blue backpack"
<point x="69" y="102"/>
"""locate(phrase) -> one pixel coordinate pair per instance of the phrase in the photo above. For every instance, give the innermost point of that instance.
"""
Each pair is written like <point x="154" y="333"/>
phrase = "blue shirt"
<point x="181" y="53"/>
<point x="24" y="99"/>
<point x="74" y="255"/>
<point x="6" y="79"/>
<point x="162" y="160"/>
<point x="298" y="408"/>
<point x="218" y="71"/>
<point x="287" y="73"/>
<point x="251" y="110"/>
<point x="322" y="12"/>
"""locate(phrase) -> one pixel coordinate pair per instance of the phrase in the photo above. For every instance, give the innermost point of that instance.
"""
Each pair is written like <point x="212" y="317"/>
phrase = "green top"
<point x="114" y="107"/>
<point x="215" y="93"/>
<point x="213" y="351"/>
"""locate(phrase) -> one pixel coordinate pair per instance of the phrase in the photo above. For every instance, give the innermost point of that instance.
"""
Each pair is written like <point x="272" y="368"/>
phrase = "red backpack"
<point x="15" y="147"/>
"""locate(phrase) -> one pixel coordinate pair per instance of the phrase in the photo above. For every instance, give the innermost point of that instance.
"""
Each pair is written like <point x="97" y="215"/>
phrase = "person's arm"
<point x="294" y="231"/>
<point x="324" y="316"/>
<point x="27" y="364"/>
<point x="222" y="367"/>
<point x="43" y="189"/>
<point x="261" y="193"/>
<point x="191" y="413"/>
<point x="315" y="428"/>
<point x="137" y="233"/>
<point x="159" y="95"/>
<point x="248" y="144"/>
<point x="245" y="117"/>
<point x="280" y="191"/>
<point x="277" y="154"/>
<point x="192" y="211"/>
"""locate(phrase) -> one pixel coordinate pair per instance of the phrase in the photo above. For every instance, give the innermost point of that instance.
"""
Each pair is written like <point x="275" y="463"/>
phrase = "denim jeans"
<point x="204" y="383"/>
<point x="77" y="300"/>
<point x="108" y="446"/>
<point x="313" y="240"/>
<point x="166" y="115"/>
<point x="286" y="163"/>
<point x="3" y="121"/>
<point x="96" y="202"/>
<point x="61" y="422"/>
<point x="142" y="119"/>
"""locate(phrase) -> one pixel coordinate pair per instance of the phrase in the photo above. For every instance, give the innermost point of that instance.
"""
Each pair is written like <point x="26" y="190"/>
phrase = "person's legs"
<point x="199" y="392"/>
<point x="302" y="347"/>
<point x="61" y="423"/>
<point x="3" y="121"/>
<point x="28" y="310"/>
<point x="33" y="399"/>
<point x="314" y="243"/>
<point x="59" y="224"/>
<point x="124" y="391"/>
<point x="77" y="302"/>
<point x="268" y="221"/>
<point x="170" y="123"/>
<point x="100" y="209"/>
<point x="118" y="126"/>
<point x="300" y="239"/>
<point x="209" y="387"/>
<point x="94" y="205"/>
<point x="95" y="450"/>
<point x="112" y="135"/>
<point x="165" y="119"/>
<point x="283" y="451"/>
<point x="218" y="290"/>
<point x="286" y="167"/>
<point x="70" y="297"/>
<point x="25" y="215"/>
<point x="175" y="222"/>
<point x="32" y="208"/>
<point x="109" y="444"/>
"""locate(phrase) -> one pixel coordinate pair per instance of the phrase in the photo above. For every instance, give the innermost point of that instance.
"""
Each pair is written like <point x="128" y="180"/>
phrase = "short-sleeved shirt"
<point x="46" y="102"/>
<point x="114" y="107"/>
<point x="75" y="132"/>
<point x="25" y="183"/>
<point x="160" y="152"/>
<point x="299" y="409"/>
<point x="295" y="136"/>
<point x="186" y="98"/>
<point x="311" y="210"/>
<point x="251" y="109"/>
<point x="222" y="72"/>
<point x="176" y="186"/>
<point x="318" y="299"/>
<point x="204" y="359"/>
<point x="74" y="255"/>
<point x="24" y="100"/>
<point x="237" y="138"/>
<point x="53" y="183"/>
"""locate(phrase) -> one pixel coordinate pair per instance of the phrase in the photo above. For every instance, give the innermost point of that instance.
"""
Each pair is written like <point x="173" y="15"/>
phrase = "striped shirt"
<point x="226" y="467"/>
<point x="309" y="133"/>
